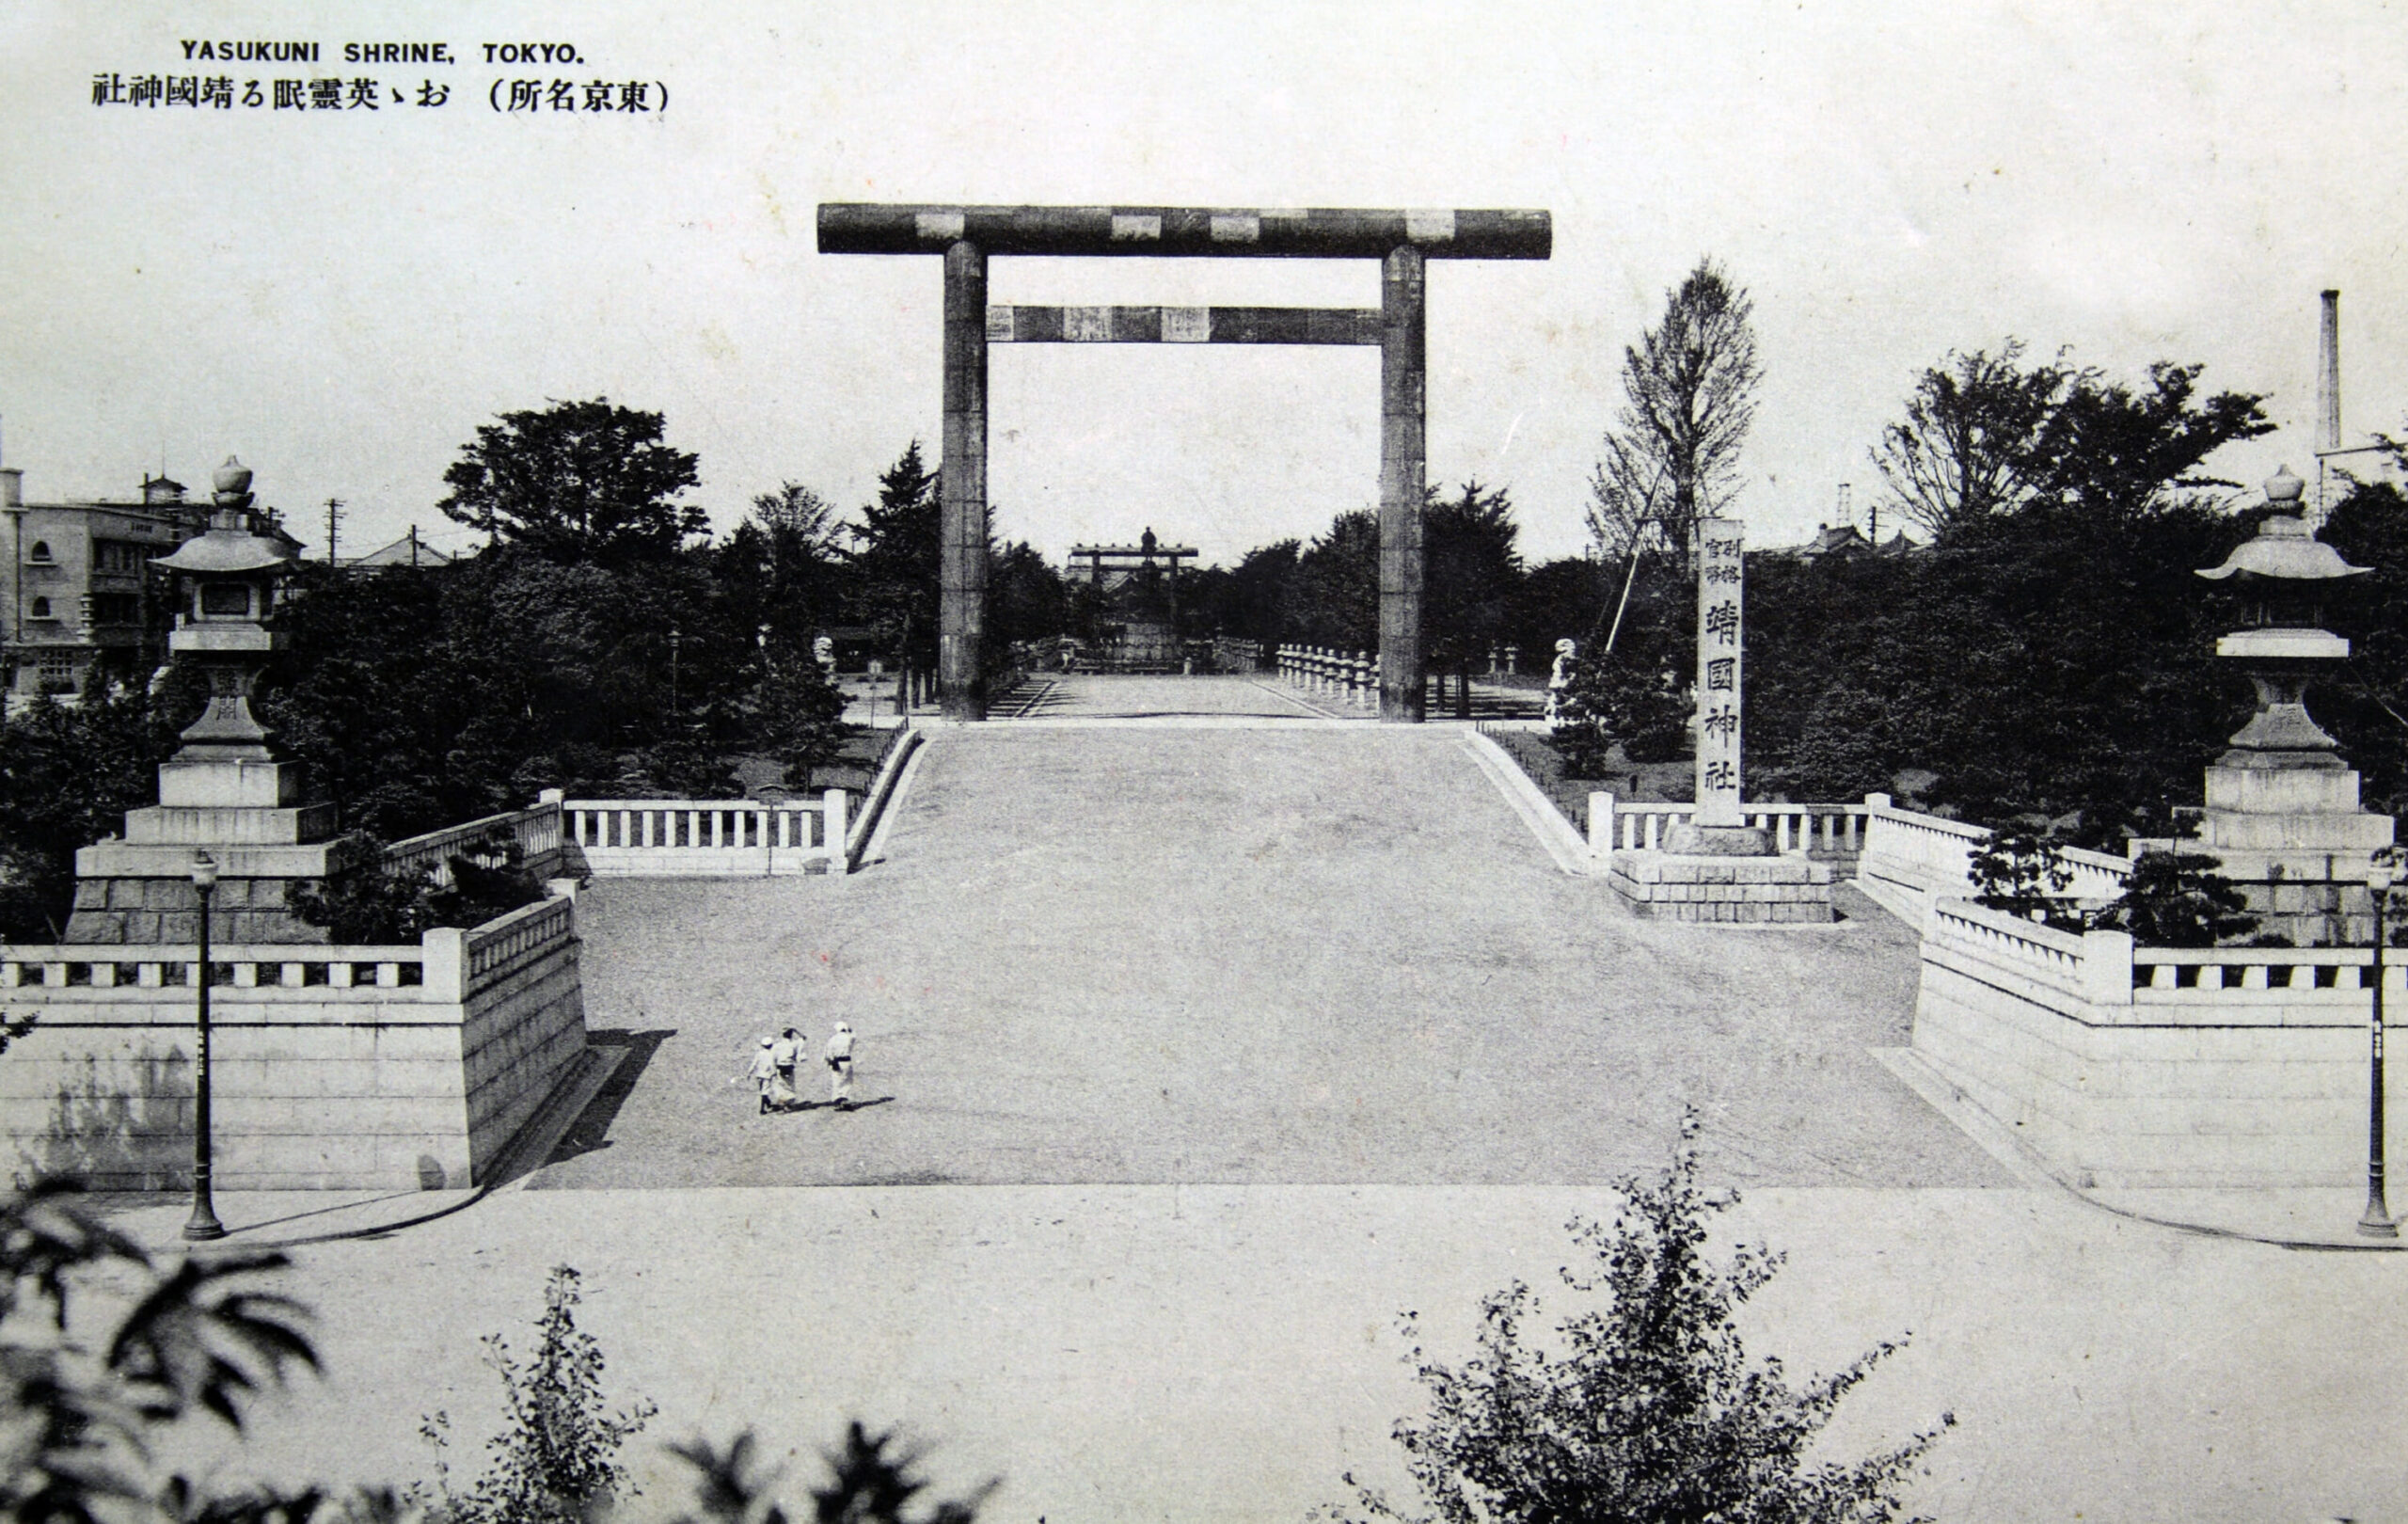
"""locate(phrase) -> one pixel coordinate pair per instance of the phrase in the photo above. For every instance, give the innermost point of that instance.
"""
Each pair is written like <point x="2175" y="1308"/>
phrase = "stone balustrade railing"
<point x="2132" y="1067"/>
<point x="1909" y="859"/>
<point x="1817" y="829"/>
<point x="537" y="830"/>
<point x="2123" y="982"/>
<point x="507" y="944"/>
<point x="318" y="968"/>
<point x="2181" y="976"/>
<point x="448" y="965"/>
<point x="708" y="838"/>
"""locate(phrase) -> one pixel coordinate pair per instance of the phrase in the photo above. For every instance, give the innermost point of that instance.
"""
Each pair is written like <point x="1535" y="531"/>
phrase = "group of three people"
<point x="775" y="1060"/>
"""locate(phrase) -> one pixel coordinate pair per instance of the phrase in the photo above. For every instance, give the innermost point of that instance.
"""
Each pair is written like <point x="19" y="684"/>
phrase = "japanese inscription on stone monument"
<point x="1719" y="648"/>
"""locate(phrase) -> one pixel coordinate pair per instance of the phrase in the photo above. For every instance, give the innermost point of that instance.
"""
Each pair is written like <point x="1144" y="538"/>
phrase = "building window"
<point x="57" y="672"/>
<point x="39" y="552"/>
<point x="40" y="609"/>
<point x="117" y="608"/>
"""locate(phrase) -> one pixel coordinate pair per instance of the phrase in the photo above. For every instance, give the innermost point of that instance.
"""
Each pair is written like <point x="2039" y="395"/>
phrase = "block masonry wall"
<point x="387" y="1068"/>
<point x="2127" y="1067"/>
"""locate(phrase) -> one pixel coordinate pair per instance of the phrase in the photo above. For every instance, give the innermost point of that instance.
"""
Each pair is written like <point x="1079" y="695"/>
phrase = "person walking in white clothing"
<point x="764" y="1071"/>
<point x="787" y="1054"/>
<point x="839" y="1055"/>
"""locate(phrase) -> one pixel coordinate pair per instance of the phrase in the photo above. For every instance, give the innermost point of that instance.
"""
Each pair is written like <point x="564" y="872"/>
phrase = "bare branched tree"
<point x="1689" y="388"/>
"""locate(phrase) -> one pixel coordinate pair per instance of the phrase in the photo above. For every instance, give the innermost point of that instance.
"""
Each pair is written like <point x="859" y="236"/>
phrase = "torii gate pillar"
<point x="1405" y="420"/>
<point x="1402" y="241"/>
<point x="961" y="616"/>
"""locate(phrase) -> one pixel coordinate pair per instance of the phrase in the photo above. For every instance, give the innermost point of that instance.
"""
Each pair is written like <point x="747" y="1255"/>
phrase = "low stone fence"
<point x="331" y="1067"/>
<point x="2131" y="1067"/>
<point x="537" y="831"/>
<point x="673" y="838"/>
<point x="1348" y="677"/>
<point x="1826" y="832"/>
<point x="1909" y="859"/>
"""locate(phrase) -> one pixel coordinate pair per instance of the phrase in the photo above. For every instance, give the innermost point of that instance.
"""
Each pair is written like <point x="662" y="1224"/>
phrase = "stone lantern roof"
<point x="2285" y="548"/>
<point x="234" y="544"/>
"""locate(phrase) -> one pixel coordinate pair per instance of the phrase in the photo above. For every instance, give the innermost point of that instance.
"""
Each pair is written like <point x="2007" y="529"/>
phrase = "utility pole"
<point x="333" y="518"/>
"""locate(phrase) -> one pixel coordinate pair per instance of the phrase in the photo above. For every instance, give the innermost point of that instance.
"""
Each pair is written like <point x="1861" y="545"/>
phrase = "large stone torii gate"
<point x="1400" y="241"/>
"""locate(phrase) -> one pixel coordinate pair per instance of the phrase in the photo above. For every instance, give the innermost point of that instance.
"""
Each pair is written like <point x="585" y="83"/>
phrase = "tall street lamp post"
<point x="2376" y="1221"/>
<point x="203" y="1223"/>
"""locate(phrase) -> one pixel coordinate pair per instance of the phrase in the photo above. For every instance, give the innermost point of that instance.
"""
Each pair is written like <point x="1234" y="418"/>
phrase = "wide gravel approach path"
<point x="1214" y="945"/>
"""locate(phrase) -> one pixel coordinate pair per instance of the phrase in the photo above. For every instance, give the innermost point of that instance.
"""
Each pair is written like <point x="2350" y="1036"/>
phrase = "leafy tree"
<point x="795" y="715"/>
<point x="83" y="1403"/>
<point x="1026" y="598"/>
<point x="795" y="517"/>
<point x="2116" y="452"/>
<point x="1556" y="600"/>
<point x="1689" y="389"/>
<point x="1985" y="436"/>
<point x="1338" y="585"/>
<point x="1967" y="446"/>
<point x="559" y="1457"/>
<point x="1647" y="1407"/>
<point x="577" y="480"/>
<point x="2366" y="705"/>
<point x="2178" y="900"/>
<point x="1470" y="572"/>
<point x="1635" y="695"/>
<point x="374" y="905"/>
<point x="68" y="774"/>
<point x="1257" y="599"/>
<point x="896" y="558"/>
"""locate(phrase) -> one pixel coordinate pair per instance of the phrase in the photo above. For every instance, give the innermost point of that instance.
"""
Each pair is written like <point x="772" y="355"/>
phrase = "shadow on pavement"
<point x="591" y="1130"/>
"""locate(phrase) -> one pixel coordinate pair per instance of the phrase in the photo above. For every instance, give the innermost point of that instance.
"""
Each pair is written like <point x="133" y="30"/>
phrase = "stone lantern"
<point x="2282" y="806"/>
<point x="226" y="584"/>
<point x="224" y="792"/>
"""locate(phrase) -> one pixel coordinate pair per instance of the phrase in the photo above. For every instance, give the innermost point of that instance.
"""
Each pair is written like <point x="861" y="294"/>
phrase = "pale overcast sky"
<point x="343" y="296"/>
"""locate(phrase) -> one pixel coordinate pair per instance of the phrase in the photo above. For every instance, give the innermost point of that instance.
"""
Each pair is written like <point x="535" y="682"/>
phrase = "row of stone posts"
<point x="1351" y="678"/>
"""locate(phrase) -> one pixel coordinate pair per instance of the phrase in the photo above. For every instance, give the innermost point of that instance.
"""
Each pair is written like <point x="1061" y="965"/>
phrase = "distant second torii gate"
<point x="1402" y="241"/>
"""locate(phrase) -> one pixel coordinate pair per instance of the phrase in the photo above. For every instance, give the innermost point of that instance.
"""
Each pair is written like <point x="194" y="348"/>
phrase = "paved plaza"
<point x="1244" y="955"/>
<point x="1204" y="1042"/>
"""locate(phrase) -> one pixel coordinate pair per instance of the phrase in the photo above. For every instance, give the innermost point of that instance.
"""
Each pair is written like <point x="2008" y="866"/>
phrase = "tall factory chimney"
<point x="2328" y="374"/>
<point x="2328" y="398"/>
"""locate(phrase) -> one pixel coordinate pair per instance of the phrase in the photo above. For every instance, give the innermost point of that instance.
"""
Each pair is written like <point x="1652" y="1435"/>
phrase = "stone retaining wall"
<point x="2123" y="1067"/>
<point x="331" y="1067"/>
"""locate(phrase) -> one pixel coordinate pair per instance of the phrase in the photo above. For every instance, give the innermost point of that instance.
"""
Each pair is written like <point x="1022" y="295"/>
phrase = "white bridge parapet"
<point x="672" y="838"/>
<point x="1817" y="829"/>
<point x="332" y="1066"/>
<point x="1910" y="859"/>
<point x="2134" y="1067"/>
<point x="536" y="828"/>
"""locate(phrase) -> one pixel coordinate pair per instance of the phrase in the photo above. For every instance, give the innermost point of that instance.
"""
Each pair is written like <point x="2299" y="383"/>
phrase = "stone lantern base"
<point x="2296" y="844"/>
<point x="1782" y="890"/>
<point x="244" y="813"/>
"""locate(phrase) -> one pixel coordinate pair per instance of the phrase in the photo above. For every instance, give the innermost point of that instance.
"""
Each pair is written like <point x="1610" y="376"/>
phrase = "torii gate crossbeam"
<point x="1402" y="241"/>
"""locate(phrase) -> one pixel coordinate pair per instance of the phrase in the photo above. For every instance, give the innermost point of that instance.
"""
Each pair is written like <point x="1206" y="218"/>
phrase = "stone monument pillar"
<point x="1715" y="866"/>
<point x="223" y="793"/>
<point x="2282" y="815"/>
<point x="1720" y="827"/>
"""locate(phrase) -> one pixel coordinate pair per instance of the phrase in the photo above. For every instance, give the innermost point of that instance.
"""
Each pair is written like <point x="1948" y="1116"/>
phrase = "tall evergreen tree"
<point x="897" y="561"/>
